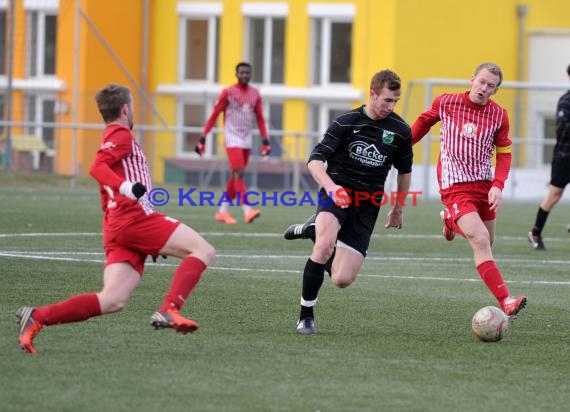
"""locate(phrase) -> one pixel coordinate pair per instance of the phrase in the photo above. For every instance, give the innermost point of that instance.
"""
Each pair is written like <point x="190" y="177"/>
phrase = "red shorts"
<point x="467" y="197"/>
<point x="134" y="242"/>
<point x="238" y="157"/>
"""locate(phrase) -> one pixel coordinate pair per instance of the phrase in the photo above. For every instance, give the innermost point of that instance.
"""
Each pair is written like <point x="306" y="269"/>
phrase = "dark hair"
<point x="244" y="64"/>
<point x="110" y="100"/>
<point x="385" y="78"/>
<point x="493" y="68"/>
<point x="568" y="70"/>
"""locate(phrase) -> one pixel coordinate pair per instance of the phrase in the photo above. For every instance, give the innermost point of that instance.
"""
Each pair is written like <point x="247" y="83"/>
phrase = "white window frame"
<point x="327" y="13"/>
<point x="40" y="41"/>
<point x="268" y="12"/>
<point x="198" y="11"/>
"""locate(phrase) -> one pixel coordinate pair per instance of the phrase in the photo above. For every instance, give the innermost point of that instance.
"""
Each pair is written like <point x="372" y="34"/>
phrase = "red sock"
<point x="231" y="189"/>
<point x="493" y="279"/>
<point x="241" y="189"/>
<point x="74" y="309"/>
<point x="185" y="278"/>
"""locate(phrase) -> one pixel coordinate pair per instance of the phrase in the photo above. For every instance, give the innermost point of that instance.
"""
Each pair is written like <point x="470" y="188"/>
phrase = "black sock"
<point x="313" y="277"/>
<point x="311" y="233"/>
<point x="540" y="221"/>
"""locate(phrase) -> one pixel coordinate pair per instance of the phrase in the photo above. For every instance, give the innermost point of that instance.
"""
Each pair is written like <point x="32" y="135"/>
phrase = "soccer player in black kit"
<point x="351" y="164"/>
<point x="559" y="170"/>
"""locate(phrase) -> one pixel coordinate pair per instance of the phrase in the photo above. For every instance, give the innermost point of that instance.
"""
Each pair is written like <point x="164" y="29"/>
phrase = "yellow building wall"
<point x="448" y="39"/>
<point x="163" y="66"/>
<point x="417" y="39"/>
<point x="98" y="66"/>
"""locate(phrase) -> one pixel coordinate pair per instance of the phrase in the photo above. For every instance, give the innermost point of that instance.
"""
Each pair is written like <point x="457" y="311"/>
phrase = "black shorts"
<point x="357" y="222"/>
<point x="560" y="170"/>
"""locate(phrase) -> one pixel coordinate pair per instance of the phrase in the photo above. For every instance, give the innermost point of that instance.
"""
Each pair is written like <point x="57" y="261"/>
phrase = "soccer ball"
<point x="490" y="324"/>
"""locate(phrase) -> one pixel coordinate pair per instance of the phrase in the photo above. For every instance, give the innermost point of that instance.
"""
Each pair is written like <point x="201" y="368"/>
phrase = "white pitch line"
<point x="279" y="235"/>
<point x="298" y="271"/>
<point x="17" y="253"/>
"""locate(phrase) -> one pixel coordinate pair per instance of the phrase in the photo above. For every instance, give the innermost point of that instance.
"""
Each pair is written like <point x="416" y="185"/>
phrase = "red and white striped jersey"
<point x="468" y="136"/>
<point x="120" y="158"/>
<point x="241" y="105"/>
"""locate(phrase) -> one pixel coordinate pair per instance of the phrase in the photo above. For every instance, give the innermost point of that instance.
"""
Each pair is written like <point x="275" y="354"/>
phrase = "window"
<point x="331" y="43"/>
<point x="265" y="49"/>
<point x="320" y="118"/>
<point x="193" y="115"/>
<point x="41" y="109"/>
<point x="275" y="122"/>
<point x="331" y="52"/>
<point x="2" y="113"/>
<point x="549" y="140"/>
<point x="41" y="43"/>
<point x="198" y="41"/>
<point x="3" y="42"/>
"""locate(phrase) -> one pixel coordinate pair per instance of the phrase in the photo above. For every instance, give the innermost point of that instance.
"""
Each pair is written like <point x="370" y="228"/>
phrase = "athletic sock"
<point x="540" y="221"/>
<point x="231" y="189"/>
<point x="185" y="278"/>
<point x="241" y="189"/>
<point x="313" y="277"/>
<point x="493" y="279"/>
<point x="74" y="309"/>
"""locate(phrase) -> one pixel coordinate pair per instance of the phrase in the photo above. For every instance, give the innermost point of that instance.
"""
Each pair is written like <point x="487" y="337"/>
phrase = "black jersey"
<point x="563" y="124"/>
<point x="360" y="151"/>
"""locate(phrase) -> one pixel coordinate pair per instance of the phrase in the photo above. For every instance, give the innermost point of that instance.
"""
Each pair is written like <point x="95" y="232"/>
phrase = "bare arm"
<point x="396" y="214"/>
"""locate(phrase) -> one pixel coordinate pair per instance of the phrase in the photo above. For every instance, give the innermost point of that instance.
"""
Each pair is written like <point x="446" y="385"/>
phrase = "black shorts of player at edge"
<point x="357" y="222"/>
<point x="560" y="169"/>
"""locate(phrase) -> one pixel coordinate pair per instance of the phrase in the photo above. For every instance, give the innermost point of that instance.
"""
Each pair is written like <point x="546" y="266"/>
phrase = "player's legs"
<point x="559" y="179"/>
<point x="326" y="227"/>
<point x="478" y="236"/>
<point x="119" y="282"/>
<point x="185" y="242"/>
<point x="553" y="196"/>
<point x="196" y="253"/>
<point x="346" y="265"/>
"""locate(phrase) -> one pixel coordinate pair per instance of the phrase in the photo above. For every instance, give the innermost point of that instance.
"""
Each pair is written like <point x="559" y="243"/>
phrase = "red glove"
<point x="265" y="148"/>
<point x="201" y="146"/>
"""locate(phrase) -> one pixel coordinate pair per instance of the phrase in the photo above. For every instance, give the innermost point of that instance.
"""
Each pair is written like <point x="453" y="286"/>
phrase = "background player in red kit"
<point x="131" y="232"/>
<point x="240" y="103"/>
<point x="472" y="128"/>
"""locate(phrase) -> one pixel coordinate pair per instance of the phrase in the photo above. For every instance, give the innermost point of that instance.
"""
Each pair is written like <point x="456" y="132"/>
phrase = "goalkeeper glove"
<point x="201" y="146"/>
<point x="265" y="148"/>
<point x="133" y="191"/>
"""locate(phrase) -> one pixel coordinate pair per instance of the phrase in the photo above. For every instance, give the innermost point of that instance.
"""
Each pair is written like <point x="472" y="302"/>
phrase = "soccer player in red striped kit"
<point x="132" y="230"/>
<point x="240" y="103"/>
<point x="473" y="127"/>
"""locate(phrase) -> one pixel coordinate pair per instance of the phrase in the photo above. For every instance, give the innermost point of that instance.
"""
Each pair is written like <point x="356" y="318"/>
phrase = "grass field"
<point x="398" y="339"/>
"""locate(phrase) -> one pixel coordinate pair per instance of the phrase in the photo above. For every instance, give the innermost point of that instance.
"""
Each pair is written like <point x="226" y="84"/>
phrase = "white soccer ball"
<point x="490" y="324"/>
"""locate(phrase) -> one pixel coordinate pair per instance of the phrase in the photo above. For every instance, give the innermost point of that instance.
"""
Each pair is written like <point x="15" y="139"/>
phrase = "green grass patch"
<point x="398" y="339"/>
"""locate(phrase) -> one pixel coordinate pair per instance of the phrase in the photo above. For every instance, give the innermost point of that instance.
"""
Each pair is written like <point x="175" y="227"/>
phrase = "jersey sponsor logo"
<point x="356" y="131"/>
<point x="366" y="154"/>
<point x="387" y="137"/>
<point x="469" y="130"/>
<point x="108" y="146"/>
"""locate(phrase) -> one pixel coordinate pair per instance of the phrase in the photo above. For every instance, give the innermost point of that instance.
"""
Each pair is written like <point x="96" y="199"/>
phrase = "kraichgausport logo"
<point x="367" y="154"/>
